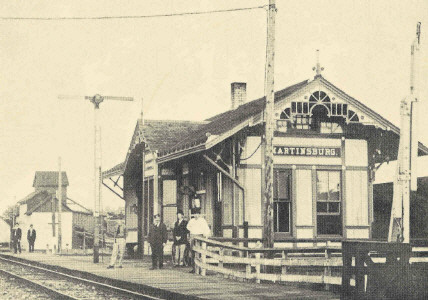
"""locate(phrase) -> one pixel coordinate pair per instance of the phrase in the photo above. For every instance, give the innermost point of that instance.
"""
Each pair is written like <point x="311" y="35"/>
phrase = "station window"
<point x="329" y="200"/>
<point x="282" y="201"/>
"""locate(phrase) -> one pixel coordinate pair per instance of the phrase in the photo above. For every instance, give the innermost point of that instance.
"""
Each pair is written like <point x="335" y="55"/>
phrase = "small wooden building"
<point x="326" y="149"/>
<point x="383" y="190"/>
<point x="40" y="208"/>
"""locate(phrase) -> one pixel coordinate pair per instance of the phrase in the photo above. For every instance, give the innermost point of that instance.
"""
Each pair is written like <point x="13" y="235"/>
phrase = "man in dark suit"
<point x="31" y="237"/>
<point x="157" y="238"/>
<point x="16" y="236"/>
<point x="180" y="238"/>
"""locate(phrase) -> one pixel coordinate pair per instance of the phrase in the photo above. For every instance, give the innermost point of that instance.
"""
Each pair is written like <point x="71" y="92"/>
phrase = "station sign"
<point x="306" y="151"/>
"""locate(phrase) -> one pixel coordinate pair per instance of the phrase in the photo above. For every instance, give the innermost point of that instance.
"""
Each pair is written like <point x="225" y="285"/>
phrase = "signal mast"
<point x="406" y="177"/>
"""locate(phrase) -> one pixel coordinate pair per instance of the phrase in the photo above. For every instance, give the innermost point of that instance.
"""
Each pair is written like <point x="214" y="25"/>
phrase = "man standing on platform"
<point x="31" y="237"/>
<point x="157" y="238"/>
<point x="118" y="246"/>
<point x="197" y="226"/>
<point x="180" y="238"/>
<point x="16" y="235"/>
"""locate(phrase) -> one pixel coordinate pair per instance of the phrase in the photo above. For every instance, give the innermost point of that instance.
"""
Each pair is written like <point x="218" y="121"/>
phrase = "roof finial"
<point x="142" y="113"/>
<point x="318" y="69"/>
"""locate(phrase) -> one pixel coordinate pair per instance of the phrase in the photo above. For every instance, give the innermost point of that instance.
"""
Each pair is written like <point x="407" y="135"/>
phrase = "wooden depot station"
<point x="327" y="147"/>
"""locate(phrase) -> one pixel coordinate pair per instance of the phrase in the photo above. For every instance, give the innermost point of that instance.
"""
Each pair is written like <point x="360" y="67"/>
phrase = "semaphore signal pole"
<point x="267" y="141"/>
<point x="406" y="177"/>
<point x="96" y="101"/>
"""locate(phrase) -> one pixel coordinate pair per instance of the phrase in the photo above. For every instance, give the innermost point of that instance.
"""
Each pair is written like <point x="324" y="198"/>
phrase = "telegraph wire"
<point x="130" y="17"/>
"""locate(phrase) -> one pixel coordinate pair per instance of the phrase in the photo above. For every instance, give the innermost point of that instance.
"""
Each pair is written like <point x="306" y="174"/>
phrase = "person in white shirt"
<point x="118" y="246"/>
<point x="197" y="226"/>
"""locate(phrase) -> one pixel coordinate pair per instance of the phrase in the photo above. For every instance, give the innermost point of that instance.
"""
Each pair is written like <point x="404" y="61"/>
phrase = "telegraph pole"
<point x="267" y="140"/>
<point x="59" y="196"/>
<point x="140" y="204"/>
<point x="96" y="101"/>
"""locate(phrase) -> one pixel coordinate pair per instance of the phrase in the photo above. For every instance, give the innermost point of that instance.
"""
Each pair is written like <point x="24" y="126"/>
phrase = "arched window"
<point x="318" y="114"/>
<point x="320" y="97"/>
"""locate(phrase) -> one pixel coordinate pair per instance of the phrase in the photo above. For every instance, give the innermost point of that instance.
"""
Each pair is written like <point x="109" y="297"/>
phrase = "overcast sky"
<point x="182" y="67"/>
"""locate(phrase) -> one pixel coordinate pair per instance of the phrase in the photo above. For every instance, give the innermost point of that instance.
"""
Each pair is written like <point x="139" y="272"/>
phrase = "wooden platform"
<point x="179" y="280"/>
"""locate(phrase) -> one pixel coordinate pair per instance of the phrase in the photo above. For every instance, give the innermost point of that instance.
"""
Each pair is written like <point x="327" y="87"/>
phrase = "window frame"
<point x="277" y="199"/>
<point x="328" y="201"/>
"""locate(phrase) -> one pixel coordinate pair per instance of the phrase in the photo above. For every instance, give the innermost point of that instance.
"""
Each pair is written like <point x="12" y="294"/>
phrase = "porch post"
<point x="140" y="207"/>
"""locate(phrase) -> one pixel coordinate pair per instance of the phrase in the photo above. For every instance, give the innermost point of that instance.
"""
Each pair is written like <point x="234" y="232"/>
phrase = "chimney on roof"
<point x="238" y="93"/>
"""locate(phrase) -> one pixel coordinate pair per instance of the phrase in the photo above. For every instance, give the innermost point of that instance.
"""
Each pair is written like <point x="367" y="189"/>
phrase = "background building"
<point x="41" y="207"/>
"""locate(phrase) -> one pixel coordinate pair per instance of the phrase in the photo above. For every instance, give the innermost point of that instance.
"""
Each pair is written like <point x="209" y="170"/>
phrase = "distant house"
<point x="37" y="208"/>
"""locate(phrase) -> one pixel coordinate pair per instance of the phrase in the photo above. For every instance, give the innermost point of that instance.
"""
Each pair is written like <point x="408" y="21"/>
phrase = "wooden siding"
<point x="81" y="221"/>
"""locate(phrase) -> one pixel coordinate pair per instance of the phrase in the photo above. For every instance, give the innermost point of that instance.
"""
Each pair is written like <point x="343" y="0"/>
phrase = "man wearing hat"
<point x="16" y="237"/>
<point x="31" y="237"/>
<point x="158" y="237"/>
<point x="197" y="226"/>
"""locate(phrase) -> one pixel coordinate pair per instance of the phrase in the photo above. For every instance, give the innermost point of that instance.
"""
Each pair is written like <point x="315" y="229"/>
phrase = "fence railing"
<point x="309" y="261"/>
<point x="276" y="264"/>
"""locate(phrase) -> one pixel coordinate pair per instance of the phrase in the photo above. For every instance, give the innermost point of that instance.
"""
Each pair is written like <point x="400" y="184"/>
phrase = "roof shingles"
<point x="49" y="178"/>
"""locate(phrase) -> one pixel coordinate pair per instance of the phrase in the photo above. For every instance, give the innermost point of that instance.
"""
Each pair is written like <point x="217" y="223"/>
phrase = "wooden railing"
<point x="276" y="264"/>
<point x="307" y="261"/>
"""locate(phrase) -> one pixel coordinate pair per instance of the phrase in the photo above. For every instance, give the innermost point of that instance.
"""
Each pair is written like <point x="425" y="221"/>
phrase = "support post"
<point x="140" y="207"/>
<point x="97" y="176"/>
<point x="59" y="205"/>
<point x="268" y="235"/>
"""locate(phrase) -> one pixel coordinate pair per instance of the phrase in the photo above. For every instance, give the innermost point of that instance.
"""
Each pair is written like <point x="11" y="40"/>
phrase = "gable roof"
<point x="181" y="141"/>
<point x="37" y="199"/>
<point x="162" y="135"/>
<point x="228" y="120"/>
<point x="49" y="178"/>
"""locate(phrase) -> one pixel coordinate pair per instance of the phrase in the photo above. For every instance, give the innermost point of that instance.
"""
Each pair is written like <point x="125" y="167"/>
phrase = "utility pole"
<point x="399" y="228"/>
<point x="59" y="196"/>
<point x="96" y="101"/>
<point x="267" y="140"/>
<point x="140" y="204"/>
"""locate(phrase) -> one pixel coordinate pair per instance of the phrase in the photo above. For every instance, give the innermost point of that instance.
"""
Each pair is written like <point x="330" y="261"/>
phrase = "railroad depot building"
<point x="327" y="146"/>
<point x="41" y="208"/>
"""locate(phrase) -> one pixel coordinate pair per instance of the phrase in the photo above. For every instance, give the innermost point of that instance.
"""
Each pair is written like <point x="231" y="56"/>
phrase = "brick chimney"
<point x="238" y="93"/>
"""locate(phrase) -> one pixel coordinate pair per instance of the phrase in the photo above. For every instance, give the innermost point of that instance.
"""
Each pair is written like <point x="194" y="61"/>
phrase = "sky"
<point x="182" y="68"/>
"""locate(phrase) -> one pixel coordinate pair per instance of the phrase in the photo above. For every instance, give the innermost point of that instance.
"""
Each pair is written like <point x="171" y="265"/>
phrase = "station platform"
<point x="178" y="281"/>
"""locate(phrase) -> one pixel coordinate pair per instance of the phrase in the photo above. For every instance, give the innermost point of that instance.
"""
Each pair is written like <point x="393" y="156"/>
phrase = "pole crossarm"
<point x="97" y="99"/>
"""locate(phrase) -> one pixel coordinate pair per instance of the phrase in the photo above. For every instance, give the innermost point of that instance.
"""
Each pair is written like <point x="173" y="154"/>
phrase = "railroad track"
<point x="59" y="285"/>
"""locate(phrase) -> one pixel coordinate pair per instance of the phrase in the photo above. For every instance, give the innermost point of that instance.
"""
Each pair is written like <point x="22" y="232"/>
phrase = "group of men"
<point x="17" y="235"/>
<point x="158" y="237"/>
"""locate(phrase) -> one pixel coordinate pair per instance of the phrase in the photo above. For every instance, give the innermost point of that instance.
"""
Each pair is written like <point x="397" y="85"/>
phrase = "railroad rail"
<point x="60" y="285"/>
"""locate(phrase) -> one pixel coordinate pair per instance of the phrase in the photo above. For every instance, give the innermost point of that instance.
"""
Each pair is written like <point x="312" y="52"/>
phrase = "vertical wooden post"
<point x="59" y="205"/>
<point x="84" y="242"/>
<point x="221" y="253"/>
<point x="246" y="233"/>
<point x="140" y="207"/>
<point x="284" y="261"/>
<point x="248" y="266"/>
<point x="359" y="274"/>
<point x="327" y="268"/>
<point x="268" y="235"/>
<point x="258" y="268"/>
<point x="203" y="259"/>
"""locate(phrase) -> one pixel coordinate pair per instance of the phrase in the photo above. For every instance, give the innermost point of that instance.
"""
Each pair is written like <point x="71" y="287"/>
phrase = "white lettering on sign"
<point x="306" y="151"/>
